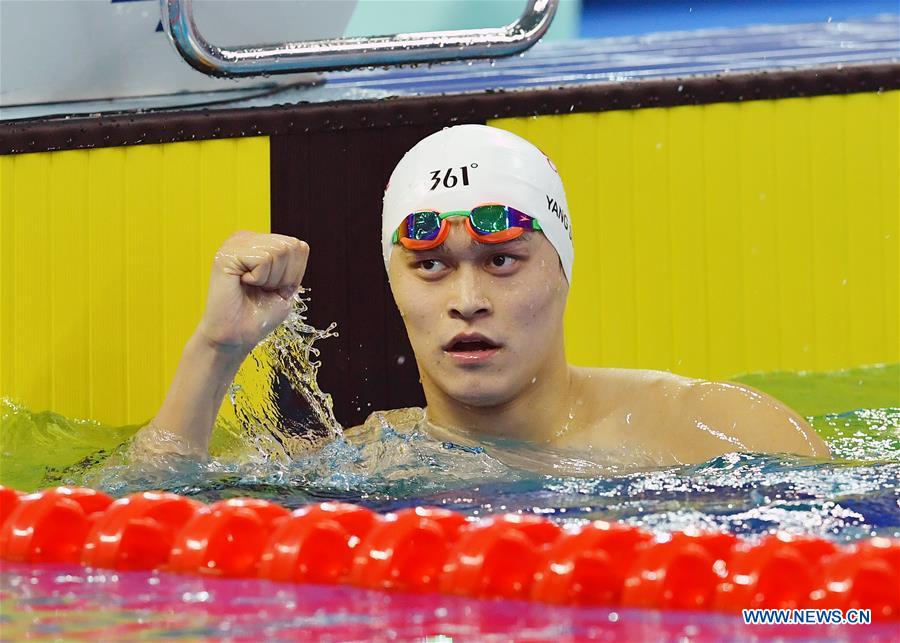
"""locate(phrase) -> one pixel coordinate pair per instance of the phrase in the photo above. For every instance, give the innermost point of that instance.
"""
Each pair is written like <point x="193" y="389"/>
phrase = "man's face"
<point x="483" y="319"/>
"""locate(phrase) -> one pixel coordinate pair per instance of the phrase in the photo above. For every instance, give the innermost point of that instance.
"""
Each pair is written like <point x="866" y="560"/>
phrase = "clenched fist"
<point x="254" y="279"/>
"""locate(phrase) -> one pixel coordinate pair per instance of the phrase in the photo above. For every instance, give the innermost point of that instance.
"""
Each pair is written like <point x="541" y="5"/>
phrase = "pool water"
<point x="65" y="602"/>
<point x="394" y="462"/>
<point x="397" y="464"/>
<point x="855" y="495"/>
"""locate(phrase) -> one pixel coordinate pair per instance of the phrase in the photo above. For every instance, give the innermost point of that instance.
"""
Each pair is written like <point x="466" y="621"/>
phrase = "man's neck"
<point x="538" y="414"/>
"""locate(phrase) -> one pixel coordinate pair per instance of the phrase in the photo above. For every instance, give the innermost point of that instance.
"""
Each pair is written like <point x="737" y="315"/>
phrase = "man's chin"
<point x="474" y="387"/>
<point x="479" y="396"/>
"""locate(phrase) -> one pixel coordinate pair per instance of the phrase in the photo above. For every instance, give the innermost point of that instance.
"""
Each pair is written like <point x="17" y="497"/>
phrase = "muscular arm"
<point x="186" y="417"/>
<point x="253" y="282"/>
<point x="720" y="417"/>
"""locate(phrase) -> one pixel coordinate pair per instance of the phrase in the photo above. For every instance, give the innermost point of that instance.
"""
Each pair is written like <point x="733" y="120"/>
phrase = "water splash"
<point x="290" y="350"/>
<point x="42" y="449"/>
<point x="396" y="459"/>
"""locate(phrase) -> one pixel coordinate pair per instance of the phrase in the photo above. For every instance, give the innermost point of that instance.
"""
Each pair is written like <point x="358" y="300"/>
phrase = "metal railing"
<point x="346" y="53"/>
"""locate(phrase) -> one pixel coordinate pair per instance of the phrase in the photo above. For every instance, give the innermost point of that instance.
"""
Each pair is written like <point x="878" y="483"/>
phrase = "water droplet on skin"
<point x="533" y="380"/>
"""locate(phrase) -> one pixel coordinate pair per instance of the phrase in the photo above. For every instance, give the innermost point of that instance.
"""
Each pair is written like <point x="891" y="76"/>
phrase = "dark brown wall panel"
<point x="327" y="189"/>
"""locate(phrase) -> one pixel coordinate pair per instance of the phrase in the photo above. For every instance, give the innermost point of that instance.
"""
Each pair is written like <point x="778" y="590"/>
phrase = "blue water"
<point x="854" y="495"/>
<point x="395" y="464"/>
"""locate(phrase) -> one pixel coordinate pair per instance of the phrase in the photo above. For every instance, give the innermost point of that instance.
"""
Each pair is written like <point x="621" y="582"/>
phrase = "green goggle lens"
<point x="424" y="226"/>
<point x="485" y="220"/>
<point x="490" y="218"/>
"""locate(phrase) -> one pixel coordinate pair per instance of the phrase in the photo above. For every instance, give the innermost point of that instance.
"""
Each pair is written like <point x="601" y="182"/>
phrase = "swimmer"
<point x="477" y="243"/>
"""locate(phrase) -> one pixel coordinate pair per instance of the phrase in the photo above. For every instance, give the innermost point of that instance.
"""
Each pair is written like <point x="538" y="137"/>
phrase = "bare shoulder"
<point x="692" y="420"/>
<point x="745" y="416"/>
<point x="631" y="379"/>
<point x="628" y="405"/>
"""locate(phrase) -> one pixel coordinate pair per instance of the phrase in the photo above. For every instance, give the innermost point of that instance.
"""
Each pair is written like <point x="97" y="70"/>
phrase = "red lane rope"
<point x="436" y="550"/>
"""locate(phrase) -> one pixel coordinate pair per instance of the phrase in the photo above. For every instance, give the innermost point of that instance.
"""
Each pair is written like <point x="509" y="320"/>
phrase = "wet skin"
<point x="486" y="324"/>
<point x="518" y="385"/>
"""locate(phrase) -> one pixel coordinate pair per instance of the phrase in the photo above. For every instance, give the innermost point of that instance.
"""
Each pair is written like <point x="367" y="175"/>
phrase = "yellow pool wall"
<point x="710" y="240"/>
<point x="726" y="238"/>
<point x="105" y="259"/>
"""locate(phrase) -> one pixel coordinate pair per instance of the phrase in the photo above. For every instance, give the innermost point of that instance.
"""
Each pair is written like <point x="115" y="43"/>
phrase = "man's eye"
<point x="502" y="261"/>
<point x="430" y="265"/>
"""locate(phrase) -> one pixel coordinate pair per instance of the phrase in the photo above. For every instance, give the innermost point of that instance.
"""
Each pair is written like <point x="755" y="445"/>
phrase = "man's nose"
<point x="468" y="299"/>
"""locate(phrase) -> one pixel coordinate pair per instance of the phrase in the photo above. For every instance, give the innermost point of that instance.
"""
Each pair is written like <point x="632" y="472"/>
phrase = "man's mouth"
<point x="471" y="346"/>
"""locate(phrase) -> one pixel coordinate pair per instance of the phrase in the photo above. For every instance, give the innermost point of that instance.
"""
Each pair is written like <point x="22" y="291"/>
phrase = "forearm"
<point x="195" y="395"/>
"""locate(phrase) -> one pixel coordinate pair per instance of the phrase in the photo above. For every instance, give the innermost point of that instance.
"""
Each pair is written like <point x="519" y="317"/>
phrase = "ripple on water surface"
<point x="395" y="463"/>
<point x="853" y="496"/>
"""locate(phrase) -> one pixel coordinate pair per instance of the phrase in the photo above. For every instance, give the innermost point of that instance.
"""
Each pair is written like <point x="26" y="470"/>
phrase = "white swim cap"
<point x="465" y="166"/>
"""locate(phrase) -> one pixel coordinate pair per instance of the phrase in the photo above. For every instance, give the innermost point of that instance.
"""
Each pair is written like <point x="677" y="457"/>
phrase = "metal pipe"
<point x="347" y="53"/>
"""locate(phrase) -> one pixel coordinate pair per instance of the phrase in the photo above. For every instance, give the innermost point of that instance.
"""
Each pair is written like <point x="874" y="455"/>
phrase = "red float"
<point x="50" y="526"/>
<point x="226" y="538"/>
<point x="718" y="545"/>
<point x="315" y="545"/>
<point x="9" y="500"/>
<point x="137" y="532"/>
<point x="588" y="567"/>
<point x="864" y="577"/>
<point x="498" y="558"/>
<point x="407" y="550"/>
<point x="883" y="548"/>
<point x="676" y="573"/>
<point x="421" y="549"/>
<point x="358" y="521"/>
<point x="779" y="572"/>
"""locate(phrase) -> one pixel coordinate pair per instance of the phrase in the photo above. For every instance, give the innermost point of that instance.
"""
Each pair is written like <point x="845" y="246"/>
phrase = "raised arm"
<point x="252" y="286"/>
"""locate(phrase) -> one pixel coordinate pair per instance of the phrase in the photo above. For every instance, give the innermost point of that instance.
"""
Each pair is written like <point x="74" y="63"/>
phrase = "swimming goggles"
<point x="488" y="223"/>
